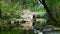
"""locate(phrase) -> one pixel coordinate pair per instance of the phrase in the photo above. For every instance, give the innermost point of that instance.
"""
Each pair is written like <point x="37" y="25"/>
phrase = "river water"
<point x="37" y="31"/>
<point x="46" y="32"/>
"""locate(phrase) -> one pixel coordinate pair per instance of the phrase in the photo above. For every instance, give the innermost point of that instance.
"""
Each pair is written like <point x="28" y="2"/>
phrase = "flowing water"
<point x="37" y="31"/>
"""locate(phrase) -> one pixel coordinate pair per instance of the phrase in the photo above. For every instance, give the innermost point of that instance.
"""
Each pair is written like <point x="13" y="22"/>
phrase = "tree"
<point x="52" y="8"/>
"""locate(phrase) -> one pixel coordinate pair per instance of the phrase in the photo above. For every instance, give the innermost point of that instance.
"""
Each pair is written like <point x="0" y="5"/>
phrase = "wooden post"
<point x="0" y="14"/>
<point x="34" y="19"/>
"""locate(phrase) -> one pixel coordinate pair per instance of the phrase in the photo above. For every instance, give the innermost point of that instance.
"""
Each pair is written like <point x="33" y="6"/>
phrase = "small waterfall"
<point x="37" y="31"/>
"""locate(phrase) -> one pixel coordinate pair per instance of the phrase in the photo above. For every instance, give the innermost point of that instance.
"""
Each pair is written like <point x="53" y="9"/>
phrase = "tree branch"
<point x="49" y="11"/>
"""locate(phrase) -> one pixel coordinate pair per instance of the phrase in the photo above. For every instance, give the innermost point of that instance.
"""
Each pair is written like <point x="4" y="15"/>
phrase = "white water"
<point x="37" y="31"/>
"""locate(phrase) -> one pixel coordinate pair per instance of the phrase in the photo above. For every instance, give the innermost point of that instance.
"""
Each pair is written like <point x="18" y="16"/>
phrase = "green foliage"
<point x="13" y="8"/>
<point x="10" y="11"/>
<point x="8" y="26"/>
<point x="40" y="22"/>
<point x="54" y="6"/>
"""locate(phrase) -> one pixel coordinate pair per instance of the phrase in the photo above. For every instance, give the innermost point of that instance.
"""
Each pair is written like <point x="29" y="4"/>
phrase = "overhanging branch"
<point x="49" y="11"/>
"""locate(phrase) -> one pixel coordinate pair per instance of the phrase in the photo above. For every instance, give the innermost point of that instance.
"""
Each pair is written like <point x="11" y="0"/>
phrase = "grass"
<point x="16" y="32"/>
<point x="10" y="32"/>
<point x="9" y="29"/>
